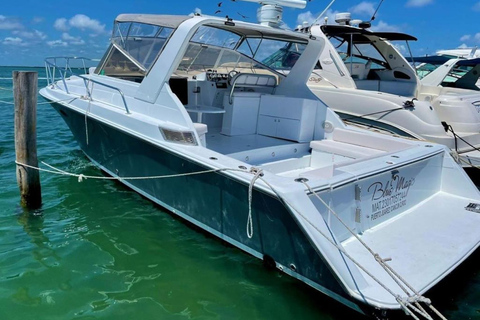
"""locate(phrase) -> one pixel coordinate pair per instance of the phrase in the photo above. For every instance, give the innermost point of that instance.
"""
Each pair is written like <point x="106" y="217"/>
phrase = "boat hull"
<point x="214" y="201"/>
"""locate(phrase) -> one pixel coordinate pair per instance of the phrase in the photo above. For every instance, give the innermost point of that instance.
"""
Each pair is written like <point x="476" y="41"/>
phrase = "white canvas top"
<point x="170" y="21"/>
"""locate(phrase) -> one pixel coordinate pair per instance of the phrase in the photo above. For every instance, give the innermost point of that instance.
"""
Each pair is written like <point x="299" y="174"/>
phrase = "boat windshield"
<point x="224" y="51"/>
<point x="359" y="52"/>
<point x="135" y="46"/>
<point x="454" y="74"/>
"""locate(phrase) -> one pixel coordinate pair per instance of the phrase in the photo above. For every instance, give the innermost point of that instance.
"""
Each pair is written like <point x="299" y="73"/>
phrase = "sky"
<point x="31" y="30"/>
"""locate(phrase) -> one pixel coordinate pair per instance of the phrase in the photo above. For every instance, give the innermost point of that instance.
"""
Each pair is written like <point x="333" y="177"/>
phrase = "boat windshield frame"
<point x="134" y="66"/>
<point x="242" y="46"/>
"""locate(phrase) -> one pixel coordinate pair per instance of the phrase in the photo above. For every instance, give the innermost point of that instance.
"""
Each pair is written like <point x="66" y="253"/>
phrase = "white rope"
<point x="407" y="304"/>
<point x="62" y="100"/>
<point x="399" y="299"/>
<point x="40" y="103"/>
<point x="400" y="281"/>
<point x="257" y="174"/>
<point x="6" y="102"/>
<point x="82" y="177"/>
<point x="86" y="120"/>
<point x="88" y="107"/>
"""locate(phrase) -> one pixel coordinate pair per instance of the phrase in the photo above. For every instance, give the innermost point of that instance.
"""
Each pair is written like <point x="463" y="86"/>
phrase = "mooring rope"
<point x="409" y="304"/>
<point x="82" y="177"/>
<point x="405" y="303"/>
<point x="40" y="103"/>
<point x="399" y="280"/>
<point x="258" y="173"/>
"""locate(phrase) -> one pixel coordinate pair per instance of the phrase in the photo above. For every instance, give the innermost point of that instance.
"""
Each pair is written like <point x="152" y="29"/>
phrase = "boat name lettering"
<point x="390" y="196"/>
<point x="314" y="79"/>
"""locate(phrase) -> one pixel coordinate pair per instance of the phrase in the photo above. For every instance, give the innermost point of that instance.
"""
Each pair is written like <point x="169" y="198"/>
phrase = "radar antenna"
<point x="271" y="11"/>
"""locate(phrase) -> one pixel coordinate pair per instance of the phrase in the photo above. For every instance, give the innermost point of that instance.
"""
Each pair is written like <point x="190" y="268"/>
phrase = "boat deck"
<point x="254" y="148"/>
<point x="232" y="144"/>
<point x="424" y="243"/>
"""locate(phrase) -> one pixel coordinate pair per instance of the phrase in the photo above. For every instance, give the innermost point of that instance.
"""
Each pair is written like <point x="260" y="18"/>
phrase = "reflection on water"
<point x="97" y="250"/>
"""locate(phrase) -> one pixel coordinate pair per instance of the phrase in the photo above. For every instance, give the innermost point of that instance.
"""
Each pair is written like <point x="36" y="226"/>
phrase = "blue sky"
<point x="31" y="30"/>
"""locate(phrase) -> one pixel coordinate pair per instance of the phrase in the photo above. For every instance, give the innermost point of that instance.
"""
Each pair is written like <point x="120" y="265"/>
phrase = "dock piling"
<point x="25" y="96"/>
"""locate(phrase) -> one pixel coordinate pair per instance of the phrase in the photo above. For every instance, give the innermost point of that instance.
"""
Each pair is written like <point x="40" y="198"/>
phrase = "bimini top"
<point x="361" y="35"/>
<point x="169" y="21"/>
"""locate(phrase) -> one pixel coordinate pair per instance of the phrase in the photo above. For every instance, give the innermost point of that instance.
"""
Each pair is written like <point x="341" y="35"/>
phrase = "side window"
<point x="135" y="46"/>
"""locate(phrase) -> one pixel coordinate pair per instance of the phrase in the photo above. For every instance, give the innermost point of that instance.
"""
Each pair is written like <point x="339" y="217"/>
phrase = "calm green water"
<point x="97" y="250"/>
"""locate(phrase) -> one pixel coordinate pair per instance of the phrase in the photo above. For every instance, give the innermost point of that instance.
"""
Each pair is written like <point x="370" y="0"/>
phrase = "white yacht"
<point x="214" y="120"/>
<point x="366" y="80"/>
<point x="448" y="71"/>
<point x="460" y="52"/>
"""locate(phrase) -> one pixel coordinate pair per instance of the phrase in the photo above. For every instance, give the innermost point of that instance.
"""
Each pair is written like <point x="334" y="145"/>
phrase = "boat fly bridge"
<point x="217" y="118"/>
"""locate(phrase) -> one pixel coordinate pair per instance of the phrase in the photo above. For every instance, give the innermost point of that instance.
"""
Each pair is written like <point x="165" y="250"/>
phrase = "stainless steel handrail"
<point x="52" y="67"/>
<point x="88" y="79"/>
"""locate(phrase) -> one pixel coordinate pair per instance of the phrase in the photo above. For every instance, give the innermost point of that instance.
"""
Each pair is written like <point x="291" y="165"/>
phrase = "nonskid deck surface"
<point x="424" y="243"/>
<point x="233" y="144"/>
<point x="259" y="150"/>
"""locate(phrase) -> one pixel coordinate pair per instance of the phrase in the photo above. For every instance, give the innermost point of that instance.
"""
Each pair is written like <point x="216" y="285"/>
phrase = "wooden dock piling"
<point x="25" y="95"/>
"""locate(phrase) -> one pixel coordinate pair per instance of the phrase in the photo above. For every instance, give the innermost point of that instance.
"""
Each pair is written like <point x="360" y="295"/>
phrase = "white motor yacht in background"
<point x="214" y="119"/>
<point x="460" y="52"/>
<point x="447" y="71"/>
<point x="366" y="80"/>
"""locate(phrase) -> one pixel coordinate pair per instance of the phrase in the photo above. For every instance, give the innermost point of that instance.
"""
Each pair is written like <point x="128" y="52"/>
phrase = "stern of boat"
<point x="421" y="218"/>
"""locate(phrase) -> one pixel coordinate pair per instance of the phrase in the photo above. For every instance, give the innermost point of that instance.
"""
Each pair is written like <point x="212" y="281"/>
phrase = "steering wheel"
<point x="231" y="75"/>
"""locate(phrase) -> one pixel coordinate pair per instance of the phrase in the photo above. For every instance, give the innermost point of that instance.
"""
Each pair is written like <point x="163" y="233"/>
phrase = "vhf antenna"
<point x="323" y="12"/>
<point x="375" y="13"/>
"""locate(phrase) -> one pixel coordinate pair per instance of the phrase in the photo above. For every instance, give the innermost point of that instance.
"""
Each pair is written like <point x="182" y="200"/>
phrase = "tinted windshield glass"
<point x="359" y="53"/>
<point x="135" y="48"/>
<point x="224" y="51"/>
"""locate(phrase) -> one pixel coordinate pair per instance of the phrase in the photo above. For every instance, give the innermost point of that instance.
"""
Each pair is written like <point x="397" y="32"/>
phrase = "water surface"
<point x="96" y="250"/>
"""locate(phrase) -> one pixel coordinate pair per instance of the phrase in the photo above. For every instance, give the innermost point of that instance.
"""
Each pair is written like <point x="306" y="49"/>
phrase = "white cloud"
<point x="310" y="17"/>
<point x="78" y="42"/>
<point x="13" y="41"/>
<point x="61" y="24"/>
<point x="418" y="3"/>
<point x="35" y="34"/>
<point x="57" y="43"/>
<point x="465" y="37"/>
<point x="40" y="34"/>
<point x="477" y="37"/>
<point x="463" y="46"/>
<point x="72" y="40"/>
<point x="7" y="23"/>
<point x="367" y="8"/>
<point x="476" y="6"/>
<point x="38" y="19"/>
<point x="83" y="22"/>
<point x="306" y="17"/>
<point x="67" y="37"/>
<point x="401" y="48"/>
<point x="383" y="26"/>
